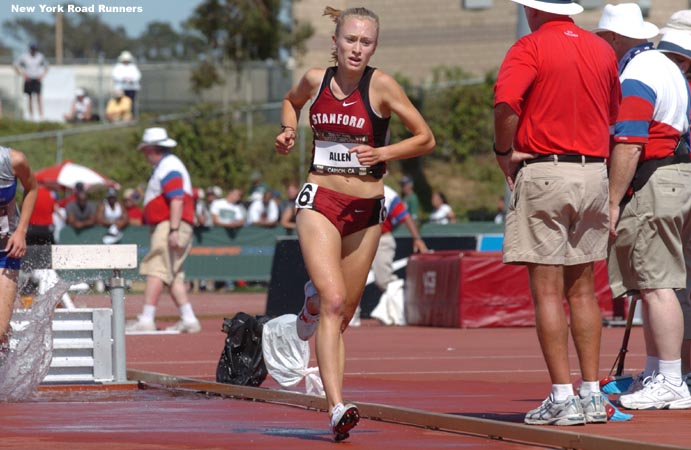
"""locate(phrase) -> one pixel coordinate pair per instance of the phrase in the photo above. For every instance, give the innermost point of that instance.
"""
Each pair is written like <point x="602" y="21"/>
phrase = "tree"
<point x="239" y="31"/>
<point x="160" y="42"/>
<point x="30" y="31"/>
<point x="460" y="110"/>
<point x="84" y="36"/>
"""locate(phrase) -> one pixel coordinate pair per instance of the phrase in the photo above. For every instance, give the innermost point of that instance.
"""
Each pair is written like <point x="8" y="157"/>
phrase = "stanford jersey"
<point x="341" y="124"/>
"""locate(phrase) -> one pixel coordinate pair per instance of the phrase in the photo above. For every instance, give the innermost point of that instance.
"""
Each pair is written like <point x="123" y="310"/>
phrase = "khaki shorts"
<point x="558" y="215"/>
<point x="160" y="262"/>
<point x="648" y="251"/>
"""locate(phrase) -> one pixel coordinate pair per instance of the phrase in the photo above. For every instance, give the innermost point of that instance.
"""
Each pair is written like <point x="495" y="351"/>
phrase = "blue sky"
<point x="172" y="11"/>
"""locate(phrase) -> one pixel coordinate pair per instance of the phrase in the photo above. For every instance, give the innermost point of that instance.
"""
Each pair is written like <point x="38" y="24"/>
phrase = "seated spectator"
<point x="80" y="110"/>
<point x="257" y="188"/>
<point x="81" y="212"/>
<point x="130" y="200"/>
<point x="442" y="214"/>
<point x="288" y="210"/>
<point x="212" y="193"/>
<point x="119" y="107"/>
<point x="110" y="213"/>
<point x="229" y="212"/>
<point x="202" y="215"/>
<point x="263" y="212"/>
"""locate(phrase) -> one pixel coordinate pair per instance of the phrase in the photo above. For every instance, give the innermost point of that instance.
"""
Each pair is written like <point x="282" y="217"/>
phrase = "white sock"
<point x="589" y="387"/>
<point x="186" y="313"/>
<point x="560" y="392"/>
<point x="652" y="364"/>
<point x="671" y="370"/>
<point x="148" y="313"/>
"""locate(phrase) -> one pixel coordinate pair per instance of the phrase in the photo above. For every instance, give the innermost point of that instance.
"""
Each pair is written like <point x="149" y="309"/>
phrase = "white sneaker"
<point x="307" y="323"/>
<point x="658" y="393"/>
<point x="568" y="412"/>
<point x="140" y="325"/>
<point x="343" y="419"/>
<point x="593" y="406"/>
<point x="186" y="326"/>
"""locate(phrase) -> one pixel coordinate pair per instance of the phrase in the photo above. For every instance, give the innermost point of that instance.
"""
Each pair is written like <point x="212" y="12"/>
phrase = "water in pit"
<point x="31" y="345"/>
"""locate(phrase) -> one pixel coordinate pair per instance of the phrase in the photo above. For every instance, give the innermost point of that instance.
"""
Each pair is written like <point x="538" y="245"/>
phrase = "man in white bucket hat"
<point x="650" y="200"/>
<point x="549" y="81"/>
<point x="169" y="210"/>
<point x="676" y="44"/>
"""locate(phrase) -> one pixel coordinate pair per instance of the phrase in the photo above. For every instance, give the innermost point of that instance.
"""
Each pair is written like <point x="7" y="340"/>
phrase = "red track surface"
<point x="489" y="373"/>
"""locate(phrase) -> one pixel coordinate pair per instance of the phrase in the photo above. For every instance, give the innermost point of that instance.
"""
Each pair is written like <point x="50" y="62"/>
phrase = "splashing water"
<point x="31" y="346"/>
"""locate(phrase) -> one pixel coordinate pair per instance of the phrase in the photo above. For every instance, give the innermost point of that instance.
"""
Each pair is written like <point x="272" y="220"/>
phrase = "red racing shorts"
<point x="347" y="213"/>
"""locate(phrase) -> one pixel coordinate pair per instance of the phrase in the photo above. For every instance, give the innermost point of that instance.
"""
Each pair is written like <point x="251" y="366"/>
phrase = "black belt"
<point x="565" y="158"/>
<point x="668" y="161"/>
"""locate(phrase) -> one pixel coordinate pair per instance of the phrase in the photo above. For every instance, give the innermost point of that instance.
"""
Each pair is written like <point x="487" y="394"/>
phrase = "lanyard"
<point x="632" y="53"/>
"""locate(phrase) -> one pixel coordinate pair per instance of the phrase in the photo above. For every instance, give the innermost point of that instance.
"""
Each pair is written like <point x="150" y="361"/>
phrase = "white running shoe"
<point x="568" y="412"/>
<point x="140" y="325"/>
<point x="343" y="419"/>
<point x="593" y="406"/>
<point x="186" y="326"/>
<point x="306" y="323"/>
<point x="658" y="393"/>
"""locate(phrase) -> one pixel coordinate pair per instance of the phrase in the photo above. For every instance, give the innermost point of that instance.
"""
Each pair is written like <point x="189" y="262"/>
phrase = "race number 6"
<point x="305" y="198"/>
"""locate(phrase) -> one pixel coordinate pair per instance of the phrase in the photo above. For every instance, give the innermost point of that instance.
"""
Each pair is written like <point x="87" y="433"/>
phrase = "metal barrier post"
<point x="117" y="297"/>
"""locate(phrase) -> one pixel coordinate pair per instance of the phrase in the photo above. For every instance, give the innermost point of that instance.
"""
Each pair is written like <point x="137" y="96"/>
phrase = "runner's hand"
<point x="16" y="246"/>
<point x="368" y="156"/>
<point x="285" y="141"/>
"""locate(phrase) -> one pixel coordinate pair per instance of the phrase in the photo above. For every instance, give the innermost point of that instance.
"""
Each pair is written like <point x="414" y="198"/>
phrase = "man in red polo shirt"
<point x="41" y="220"/>
<point x="556" y="95"/>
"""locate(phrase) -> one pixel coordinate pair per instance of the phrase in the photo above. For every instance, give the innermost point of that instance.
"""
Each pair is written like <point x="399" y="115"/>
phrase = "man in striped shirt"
<point x="650" y="200"/>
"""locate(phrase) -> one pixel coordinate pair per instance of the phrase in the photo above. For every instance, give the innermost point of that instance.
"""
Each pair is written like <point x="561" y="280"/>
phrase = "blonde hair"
<point x="339" y="16"/>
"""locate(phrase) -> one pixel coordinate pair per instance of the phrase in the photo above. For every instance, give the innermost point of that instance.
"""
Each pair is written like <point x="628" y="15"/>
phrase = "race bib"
<point x="334" y="158"/>
<point x="4" y="221"/>
<point x="305" y="198"/>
